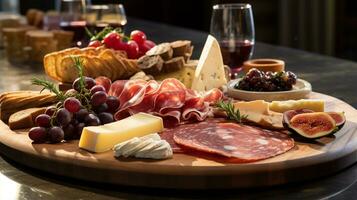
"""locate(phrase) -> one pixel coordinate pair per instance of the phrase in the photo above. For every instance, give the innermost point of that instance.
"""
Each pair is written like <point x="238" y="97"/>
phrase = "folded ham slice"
<point x="169" y="99"/>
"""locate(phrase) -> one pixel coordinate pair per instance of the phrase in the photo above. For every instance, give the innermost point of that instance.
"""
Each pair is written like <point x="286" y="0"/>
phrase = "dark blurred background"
<point x="323" y="26"/>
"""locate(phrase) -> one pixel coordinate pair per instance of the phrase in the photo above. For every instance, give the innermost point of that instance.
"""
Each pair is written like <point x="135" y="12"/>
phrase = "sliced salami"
<point x="231" y="140"/>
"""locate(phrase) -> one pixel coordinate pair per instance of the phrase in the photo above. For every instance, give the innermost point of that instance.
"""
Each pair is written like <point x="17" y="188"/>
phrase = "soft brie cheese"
<point x="103" y="138"/>
<point x="210" y="72"/>
<point x="149" y="146"/>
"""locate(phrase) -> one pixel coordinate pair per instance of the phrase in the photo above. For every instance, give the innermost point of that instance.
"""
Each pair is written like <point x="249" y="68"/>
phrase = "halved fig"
<point x="288" y="115"/>
<point x="312" y="125"/>
<point x="339" y="118"/>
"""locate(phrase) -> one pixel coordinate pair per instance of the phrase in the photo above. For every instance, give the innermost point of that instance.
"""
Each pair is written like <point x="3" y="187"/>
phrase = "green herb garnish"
<point x="49" y="86"/>
<point x="232" y="114"/>
<point x="100" y="35"/>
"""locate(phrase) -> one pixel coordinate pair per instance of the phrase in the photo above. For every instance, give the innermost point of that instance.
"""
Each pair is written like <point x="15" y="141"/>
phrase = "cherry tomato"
<point x="95" y="43"/>
<point x="122" y="46"/>
<point x="112" y="40"/>
<point x="138" y="36"/>
<point x="133" y="49"/>
<point x="146" y="46"/>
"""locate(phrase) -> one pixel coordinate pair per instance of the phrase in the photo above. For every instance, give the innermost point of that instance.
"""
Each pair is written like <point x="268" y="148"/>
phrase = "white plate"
<point x="301" y="90"/>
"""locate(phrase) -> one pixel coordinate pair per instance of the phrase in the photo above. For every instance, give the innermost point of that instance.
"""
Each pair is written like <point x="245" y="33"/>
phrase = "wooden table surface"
<point x="327" y="75"/>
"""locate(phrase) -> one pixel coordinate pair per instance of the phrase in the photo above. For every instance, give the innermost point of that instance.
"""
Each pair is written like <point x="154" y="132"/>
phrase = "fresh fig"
<point x="339" y="118"/>
<point x="312" y="125"/>
<point x="288" y="115"/>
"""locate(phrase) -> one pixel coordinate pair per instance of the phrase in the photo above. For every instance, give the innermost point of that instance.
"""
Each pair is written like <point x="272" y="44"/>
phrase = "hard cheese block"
<point x="258" y="112"/>
<point x="210" y="69"/>
<point x="103" y="138"/>
<point x="311" y="104"/>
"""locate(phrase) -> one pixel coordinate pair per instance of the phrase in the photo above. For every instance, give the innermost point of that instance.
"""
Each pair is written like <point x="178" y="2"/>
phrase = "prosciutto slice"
<point x="169" y="99"/>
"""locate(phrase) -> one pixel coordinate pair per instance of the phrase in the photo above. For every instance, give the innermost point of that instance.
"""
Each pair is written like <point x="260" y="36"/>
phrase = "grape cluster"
<point x="86" y="104"/>
<point x="256" y="80"/>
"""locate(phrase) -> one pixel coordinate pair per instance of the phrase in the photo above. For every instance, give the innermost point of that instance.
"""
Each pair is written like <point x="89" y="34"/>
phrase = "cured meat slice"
<point x="169" y="99"/>
<point x="231" y="140"/>
<point x="104" y="81"/>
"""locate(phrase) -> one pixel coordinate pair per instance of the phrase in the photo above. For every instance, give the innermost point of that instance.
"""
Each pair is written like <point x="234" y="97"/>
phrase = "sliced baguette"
<point x="25" y="118"/>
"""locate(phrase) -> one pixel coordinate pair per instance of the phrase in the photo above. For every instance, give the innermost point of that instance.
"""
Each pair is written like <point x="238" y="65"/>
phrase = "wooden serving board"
<point x="305" y="161"/>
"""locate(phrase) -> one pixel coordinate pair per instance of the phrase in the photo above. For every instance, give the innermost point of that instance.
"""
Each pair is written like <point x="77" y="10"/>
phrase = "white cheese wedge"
<point x="258" y="112"/>
<point x="210" y="72"/>
<point x="149" y="146"/>
<point x="103" y="138"/>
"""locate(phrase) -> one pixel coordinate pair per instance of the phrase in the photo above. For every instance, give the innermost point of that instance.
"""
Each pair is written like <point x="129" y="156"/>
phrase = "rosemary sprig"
<point x="100" y="36"/>
<point x="49" y="86"/>
<point x="232" y="114"/>
<point x="78" y="63"/>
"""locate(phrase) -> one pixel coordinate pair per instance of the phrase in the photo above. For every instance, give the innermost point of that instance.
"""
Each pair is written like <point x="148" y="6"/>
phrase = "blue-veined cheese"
<point x="210" y="71"/>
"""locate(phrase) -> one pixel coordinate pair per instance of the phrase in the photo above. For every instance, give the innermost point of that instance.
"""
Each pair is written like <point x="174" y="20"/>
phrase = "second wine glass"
<point x="101" y="16"/>
<point x="233" y="26"/>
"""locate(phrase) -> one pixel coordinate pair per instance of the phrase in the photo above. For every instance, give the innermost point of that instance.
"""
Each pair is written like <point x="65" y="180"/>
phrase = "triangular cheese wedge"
<point x="210" y="70"/>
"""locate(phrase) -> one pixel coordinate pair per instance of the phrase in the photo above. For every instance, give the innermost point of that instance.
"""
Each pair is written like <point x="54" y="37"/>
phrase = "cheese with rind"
<point x="103" y="138"/>
<point x="148" y="146"/>
<point x="210" y="72"/>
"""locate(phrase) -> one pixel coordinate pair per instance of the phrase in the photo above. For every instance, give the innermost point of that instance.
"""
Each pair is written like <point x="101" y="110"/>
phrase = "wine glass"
<point x="101" y="16"/>
<point x="72" y="19"/>
<point x="233" y="26"/>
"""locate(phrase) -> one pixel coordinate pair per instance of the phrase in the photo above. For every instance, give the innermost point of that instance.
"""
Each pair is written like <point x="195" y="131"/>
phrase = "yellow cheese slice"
<point x="103" y="138"/>
<point x="185" y="75"/>
<point x="311" y="104"/>
<point x="210" y="72"/>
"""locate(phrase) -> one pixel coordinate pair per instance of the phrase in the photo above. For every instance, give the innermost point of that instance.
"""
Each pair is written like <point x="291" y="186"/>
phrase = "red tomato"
<point x="133" y="49"/>
<point x="146" y="46"/>
<point x="95" y="43"/>
<point x="138" y="36"/>
<point x="112" y="40"/>
<point x="122" y="46"/>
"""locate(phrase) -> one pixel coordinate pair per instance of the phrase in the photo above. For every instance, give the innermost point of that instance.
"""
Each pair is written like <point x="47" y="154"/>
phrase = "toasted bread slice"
<point x="25" y="118"/>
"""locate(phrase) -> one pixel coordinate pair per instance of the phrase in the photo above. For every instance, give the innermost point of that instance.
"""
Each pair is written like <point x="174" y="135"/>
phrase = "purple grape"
<point x="56" y="134"/>
<point x="101" y="108"/>
<point x="38" y="134"/>
<point x="63" y="117"/>
<point x="97" y="88"/>
<point x="78" y="130"/>
<point x="43" y="120"/>
<point x="68" y="131"/>
<point x="71" y="93"/>
<point x="113" y="103"/>
<point x="91" y="120"/>
<point x="72" y="104"/>
<point x="81" y="114"/>
<point x="89" y="83"/>
<point x="98" y="98"/>
<point x="50" y="111"/>
<point x="105" y="117"/>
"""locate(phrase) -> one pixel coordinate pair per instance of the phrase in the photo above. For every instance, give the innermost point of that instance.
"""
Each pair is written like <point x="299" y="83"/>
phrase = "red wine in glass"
<point x="78" y="27"/>
<point x="235" y="53"/>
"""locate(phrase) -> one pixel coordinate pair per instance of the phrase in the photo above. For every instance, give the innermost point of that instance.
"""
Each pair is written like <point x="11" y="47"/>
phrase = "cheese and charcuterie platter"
<point x="160" y="119"/>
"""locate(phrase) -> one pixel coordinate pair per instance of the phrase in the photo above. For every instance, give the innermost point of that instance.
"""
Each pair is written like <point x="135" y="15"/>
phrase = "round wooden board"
<point x="304" y="161"/>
